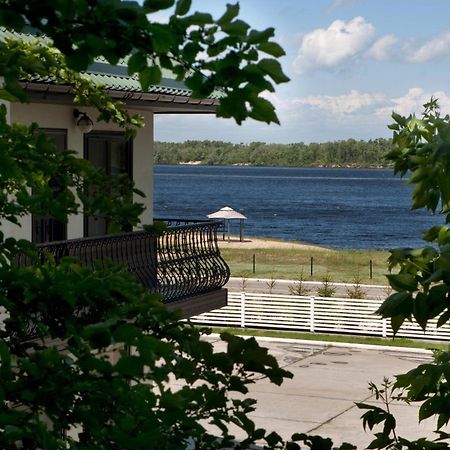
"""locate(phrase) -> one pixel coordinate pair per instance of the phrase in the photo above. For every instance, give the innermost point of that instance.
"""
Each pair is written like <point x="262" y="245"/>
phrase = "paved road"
<point x="282" y="287"/>
<point x="328" y="380"/>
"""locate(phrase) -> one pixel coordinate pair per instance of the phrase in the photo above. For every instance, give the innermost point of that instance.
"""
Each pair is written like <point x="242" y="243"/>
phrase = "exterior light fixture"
<point x="84" y="123"/>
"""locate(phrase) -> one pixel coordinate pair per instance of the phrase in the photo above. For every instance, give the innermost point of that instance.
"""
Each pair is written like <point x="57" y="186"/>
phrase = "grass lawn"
<point x="397" y="342"/>
<point x="341" y="265"/>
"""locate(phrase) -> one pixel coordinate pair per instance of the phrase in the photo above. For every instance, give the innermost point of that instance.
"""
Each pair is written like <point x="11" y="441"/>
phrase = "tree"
<point x="327" y="289"/>
<point x="422" y="282"/>
<point x="205" y="53"/>
<point x="61" y="323"/>
<point x="299" y="287"/>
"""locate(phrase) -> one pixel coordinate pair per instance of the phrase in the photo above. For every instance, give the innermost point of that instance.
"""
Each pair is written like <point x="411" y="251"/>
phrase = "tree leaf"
<point x="271" y="48"/>
<point x="149" y="76"/>
<point x="443" y="319"/>
<point x="197" y="19"/>
<point x="263" y="110"/>
<point x="430" y="407"/>
<point x="273" y="68"/>
<point x="183" y="7"/>
<point x="397" y="322"/>
<point x="78" y="60"/>
<point x="237" y="27"/>
<point x="231" y="12"/>
<point x="259" y="37"/>
<point x="402" y="282"/>
<point x="137" y="62"/>
<point x="273" y="439"/>
<point x="157" y="5"/>
<point x="421" y="310"/>
<point x="395" y="304"/>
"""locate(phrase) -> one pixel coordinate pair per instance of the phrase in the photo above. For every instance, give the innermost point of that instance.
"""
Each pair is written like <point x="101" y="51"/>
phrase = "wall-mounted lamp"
<point x="84" y="123"/>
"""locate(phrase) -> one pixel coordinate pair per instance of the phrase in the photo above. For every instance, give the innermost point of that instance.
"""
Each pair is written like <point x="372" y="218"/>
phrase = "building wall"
<point x="61" y="116"/>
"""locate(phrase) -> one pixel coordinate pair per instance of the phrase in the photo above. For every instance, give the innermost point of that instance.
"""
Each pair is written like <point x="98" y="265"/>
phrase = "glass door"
<point x="112" y="153"/>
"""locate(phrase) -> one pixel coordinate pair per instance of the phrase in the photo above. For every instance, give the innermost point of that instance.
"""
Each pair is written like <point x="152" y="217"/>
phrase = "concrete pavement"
<point x="328" y="380"/>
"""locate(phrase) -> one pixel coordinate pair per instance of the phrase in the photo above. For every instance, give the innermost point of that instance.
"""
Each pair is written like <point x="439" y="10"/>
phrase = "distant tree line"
<point x="347" y="153"/>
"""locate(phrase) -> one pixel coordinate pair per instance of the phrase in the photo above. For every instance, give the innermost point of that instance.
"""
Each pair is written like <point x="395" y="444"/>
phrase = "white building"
<point x="51" y="106"/>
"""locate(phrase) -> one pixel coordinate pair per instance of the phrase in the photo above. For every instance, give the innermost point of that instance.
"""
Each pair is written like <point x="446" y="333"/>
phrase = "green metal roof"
<point x="113" y="77"/>
<point x="117" y="78"/>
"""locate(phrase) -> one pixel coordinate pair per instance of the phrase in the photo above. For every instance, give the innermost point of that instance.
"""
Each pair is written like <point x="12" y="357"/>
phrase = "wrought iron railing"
<point x="181" y="262"/>
<point x="189" y="260"/>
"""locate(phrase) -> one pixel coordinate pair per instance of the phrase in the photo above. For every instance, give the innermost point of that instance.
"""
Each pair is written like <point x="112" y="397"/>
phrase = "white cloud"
<point x="361" y="115"/>
<point x="341" y="41"/>
<point x="341" y="104"/>
<point x="383" y="48"/>
<point x="374" y="104"/>
<point x="435" y="48"/>
<point x="412" y="102"/>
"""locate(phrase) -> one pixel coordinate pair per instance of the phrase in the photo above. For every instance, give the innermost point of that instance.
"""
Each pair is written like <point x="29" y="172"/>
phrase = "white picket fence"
<point x="314" y="314"/>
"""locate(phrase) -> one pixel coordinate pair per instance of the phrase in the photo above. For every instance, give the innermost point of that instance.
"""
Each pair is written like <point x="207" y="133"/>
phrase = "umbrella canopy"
<point x="226" y="213"/>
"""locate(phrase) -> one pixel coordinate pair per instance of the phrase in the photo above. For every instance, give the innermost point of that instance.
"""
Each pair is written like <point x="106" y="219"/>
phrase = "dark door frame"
<point x="108" y="136"/>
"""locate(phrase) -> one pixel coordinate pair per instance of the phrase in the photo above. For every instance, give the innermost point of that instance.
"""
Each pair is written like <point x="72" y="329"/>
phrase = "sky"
<point x="351" y="63"/>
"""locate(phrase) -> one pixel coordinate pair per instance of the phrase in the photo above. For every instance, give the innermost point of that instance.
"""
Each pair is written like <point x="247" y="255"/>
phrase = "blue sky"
<point x="351" y="63"/>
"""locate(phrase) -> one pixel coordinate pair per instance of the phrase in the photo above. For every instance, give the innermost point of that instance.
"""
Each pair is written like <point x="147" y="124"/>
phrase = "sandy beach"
<point x="253" y="242"/>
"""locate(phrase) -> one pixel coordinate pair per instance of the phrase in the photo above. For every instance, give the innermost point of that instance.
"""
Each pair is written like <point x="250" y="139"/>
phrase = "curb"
<point x="419" y="351"/>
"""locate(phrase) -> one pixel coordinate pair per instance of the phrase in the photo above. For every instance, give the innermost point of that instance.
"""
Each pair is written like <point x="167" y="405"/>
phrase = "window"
<point x="111" y="152"/>
<point x="46" y="228"/>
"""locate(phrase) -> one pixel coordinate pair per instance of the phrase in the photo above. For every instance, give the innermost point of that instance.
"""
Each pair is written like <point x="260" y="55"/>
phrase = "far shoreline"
<point x="318" y="166"/>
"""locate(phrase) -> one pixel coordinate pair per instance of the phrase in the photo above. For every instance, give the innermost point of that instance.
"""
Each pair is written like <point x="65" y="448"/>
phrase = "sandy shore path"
<point x="253" y="242"/>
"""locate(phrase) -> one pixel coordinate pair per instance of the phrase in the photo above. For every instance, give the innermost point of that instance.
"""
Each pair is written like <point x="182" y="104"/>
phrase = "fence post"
<point x="312" y="265"/>
<point x="242" y="309"/>
<point x="311" y="314"/>
<point x="370" y="269"/>
<point x="254" y="263"/>
<point x="384" y="328"/>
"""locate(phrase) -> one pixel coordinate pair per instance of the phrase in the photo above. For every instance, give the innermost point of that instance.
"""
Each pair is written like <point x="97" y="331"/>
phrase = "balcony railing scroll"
<point x="189" y="260"/>
<point x="181" y="262"/>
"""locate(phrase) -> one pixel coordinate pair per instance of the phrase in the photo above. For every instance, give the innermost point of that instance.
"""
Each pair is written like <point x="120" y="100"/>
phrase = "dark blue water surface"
<point x="340" y="208"/>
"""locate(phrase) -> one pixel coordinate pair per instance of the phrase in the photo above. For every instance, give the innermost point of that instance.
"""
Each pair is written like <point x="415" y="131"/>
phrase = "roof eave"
<point x="158" y="103"/>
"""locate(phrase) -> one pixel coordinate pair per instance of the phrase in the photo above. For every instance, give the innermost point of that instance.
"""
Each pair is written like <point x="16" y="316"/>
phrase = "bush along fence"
<point x="314" y="314"/>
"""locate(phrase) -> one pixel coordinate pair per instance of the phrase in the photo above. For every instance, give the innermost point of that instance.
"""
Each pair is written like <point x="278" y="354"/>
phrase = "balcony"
<point x="182" y="264"/>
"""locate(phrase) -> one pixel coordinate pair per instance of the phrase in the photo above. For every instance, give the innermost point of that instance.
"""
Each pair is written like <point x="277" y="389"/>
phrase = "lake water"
<point x="339" y="208"/>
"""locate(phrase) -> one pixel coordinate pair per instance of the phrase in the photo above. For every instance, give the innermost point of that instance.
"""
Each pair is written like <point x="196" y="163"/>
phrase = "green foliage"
<point x="271" y="283"/>
<point x="235" y="64"/>
<point x="377" y="415"/>
<point x="27" y="60"/>
<point x="421" y="281"/>
<point x="87" y="356"/>
<point x="348" y="153"/>
<point x="30" y="161"/>
<point x="356" y="291"/>
<point x="102" y="363"/>
<point x="327" y="289"/>
<point x="298" y="287"/>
